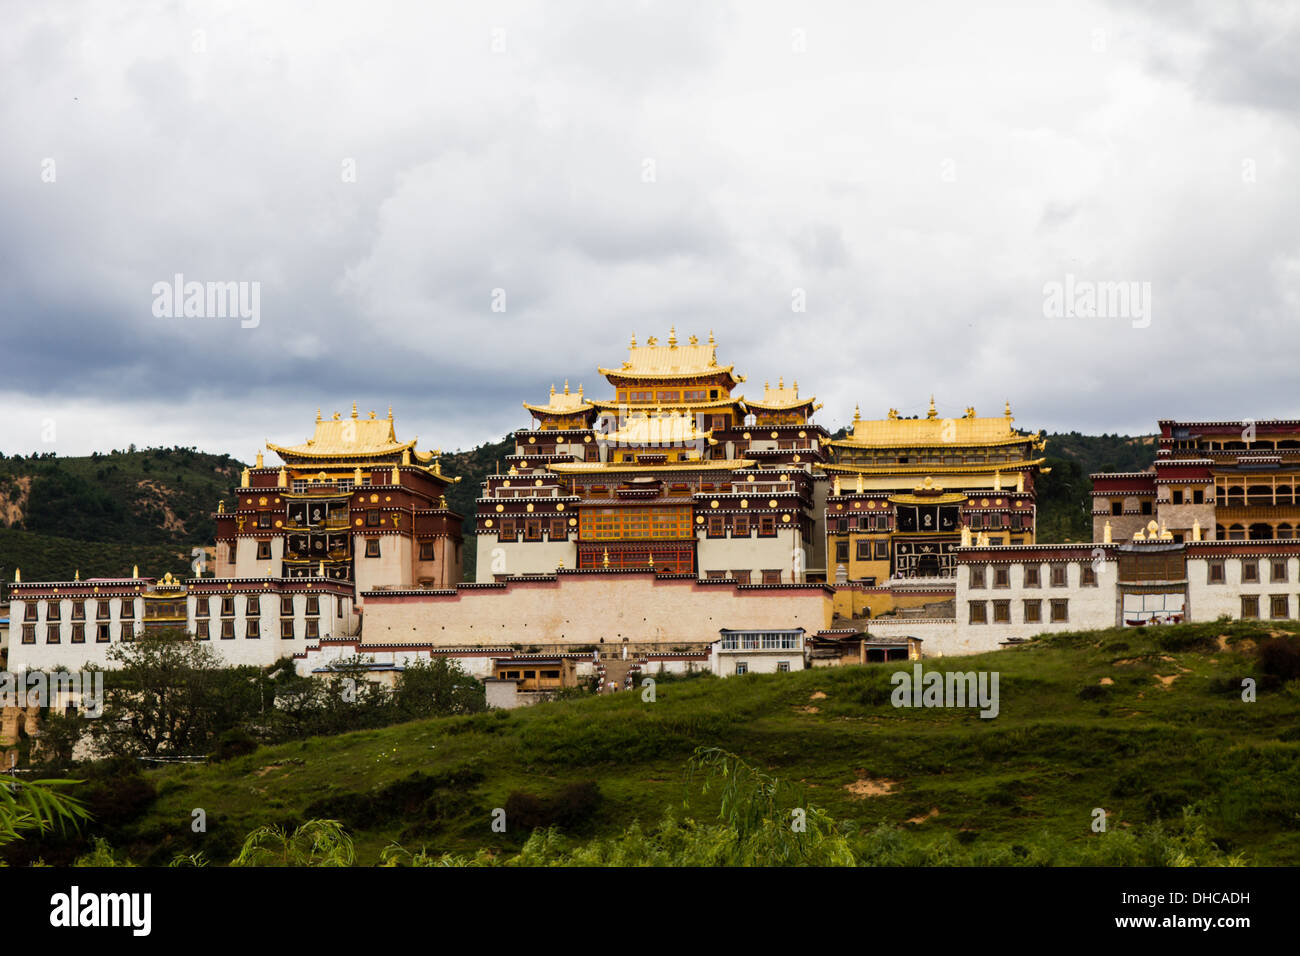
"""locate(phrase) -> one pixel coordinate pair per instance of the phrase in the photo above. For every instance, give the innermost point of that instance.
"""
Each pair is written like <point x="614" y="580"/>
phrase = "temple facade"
<point x="1226" y="481"/>
<point x="906" y="493"/>
<point x="351" y="503"/>
<point x="674" y="471"/>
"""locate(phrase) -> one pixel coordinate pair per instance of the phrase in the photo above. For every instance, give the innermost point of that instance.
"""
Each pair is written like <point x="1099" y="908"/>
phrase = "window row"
<point x="1031" y="611"/>
<point x="1279" y="606"/>
<point x="81" y="610"/>
<point x="1058" y="575"/>
<point x="1278" y="571"/>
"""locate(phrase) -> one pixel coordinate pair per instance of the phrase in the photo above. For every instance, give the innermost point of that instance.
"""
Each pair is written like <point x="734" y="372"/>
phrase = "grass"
<point x="1142" y="748"/>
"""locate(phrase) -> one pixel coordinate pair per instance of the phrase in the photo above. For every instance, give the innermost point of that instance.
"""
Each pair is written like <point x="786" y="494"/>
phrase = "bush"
<point x="1279" y="659"/>
<point x="235" y="742"/>
<point x="569" y="809"/>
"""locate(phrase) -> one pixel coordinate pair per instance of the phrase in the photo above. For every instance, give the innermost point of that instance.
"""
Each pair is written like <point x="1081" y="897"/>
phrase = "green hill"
<point x="1140" y="723"/>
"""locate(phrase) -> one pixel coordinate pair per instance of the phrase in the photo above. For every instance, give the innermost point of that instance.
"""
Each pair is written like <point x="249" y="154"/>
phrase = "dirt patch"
<point x="934" y="812"/>
<point x="810" y="709"/>
<point x="1105" y="682"/>
<point x="1125" y="661"/>
<point x="817" y="695"/>
<point x="866" y="786"/>
<point x="12" y="500"/>
<point x="1166" y="681"/>
<point x="157" y="495"/>
<point x="263" y="771"/>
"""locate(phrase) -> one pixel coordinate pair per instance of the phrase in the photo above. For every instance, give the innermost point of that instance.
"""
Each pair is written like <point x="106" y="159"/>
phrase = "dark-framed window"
<point x="263" y="550"/>
<point x="1034" y="611"/>
<point x="227" y="630"/>
<point x="78" y="634"/>
<point x="1216" y="574"/>
<point x="1250" y="606"/>
<point x="201" y="630"/>
<point x="253" y="628"/>
<point x="1250" y="570"/>
<point x="977" y="577"/>
<point x="372" y="547"/>
<point x="1279" y="607"/>
<point x="1001" y="612"/>
<point x="979" y="612"/>
<point x="1060" y="610"/>
<point x="1001" y="578"/>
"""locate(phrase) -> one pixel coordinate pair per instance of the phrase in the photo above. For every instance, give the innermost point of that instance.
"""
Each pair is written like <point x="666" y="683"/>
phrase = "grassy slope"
<point x="1143" y="752"/>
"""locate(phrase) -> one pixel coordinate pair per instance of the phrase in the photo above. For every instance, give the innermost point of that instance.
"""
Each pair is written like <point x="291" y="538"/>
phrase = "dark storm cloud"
<point x="393" y="176"/>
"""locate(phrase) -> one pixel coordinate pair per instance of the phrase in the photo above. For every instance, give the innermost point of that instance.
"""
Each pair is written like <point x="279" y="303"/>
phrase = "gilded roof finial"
<point x="78" y="577"/>
<point x="711" y="342"/>
<point x="604" y="561"/>
<point x="932" y="414"/>
<point x="552" y="389"/>
<point x="259" y="459"/>
<point x="857" y="413"/>
<point x="18" y="575"/>
<point x="1008" y="410"/>
<point x="780" y="383"/>
<point x="767" y="386"/>
<point x="633" y="340"/>
<point x="320" y="570"/>
<point x="796" y="389"/>
<point x="354" y="409"/>
<point x="372" y="414"/>
<point x="650" y="560"/>
<point x="135" y="571"/>
<point x="672" y="337"/>
<point x="390" y="413"/>
<point x="566" y="386"/>
<point x="580" y="390"/>
<point x="317" y="414"/>
<point x="221" y="506"/>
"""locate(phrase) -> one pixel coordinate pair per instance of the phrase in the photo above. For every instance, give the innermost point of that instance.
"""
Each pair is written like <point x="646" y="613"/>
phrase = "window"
<point x="101" y="633"/>
<point x="717" y="529"/>
<point x="1279" y="607"/>
<point x="507" y="531"/>
<point x="264" y="520"/>
<point x="558" y="530"/>
<point x="201" y="607"/>
<point x="1250" y="605"/>
<point x="1060" y="610"/>
<point x="253" y="629"/>
<point x="1001" y="612"/>
<point x="29" y="612"/>
<point x="264" y="550"/>
<point x="313" y="604"/>
<point x="1278" y="571"/>
<point x="78" y="634"/>
<point x="254" y="606"/>
<point x="864" y="550"/>
<point x="742" y="667"/>
<point x="977" y="576"/>
<point x="1146" y="507"/>
<point x="1198" y="496"/>
<point x="286" y="605"/>
<point x="1033" y="576"/>
<point x="313" y="628"/>
<point x="128" y="610"/>
<point x="740" y="526"/>
<point x="533" y="530"/>
<point x="286" y="628"/>
<point x="372" y="518"/>
<point x="201" y="631"/>
<point x="230" y="552"/>
<point x="1216" y="572"/>
<point x="1177" y="496"/>
<point x="1117" y="507"/>
<point x="1033" y="611"/>
<point x="771" y="577"/>
<point x="1250" y="571"/>
<point x="882" y="550"/>
<point x="1059" y="578"/>
<point x="1087" y="575"/>
<point x="29" y="633"/>
<point x="79" y="610"/>
<point x="841" y="551"/>
<point x="783" y="667"/>
<point x="227" y="606"/>
<point x="54" y="611"/>
<point x="742" y="576"/>
<point x="372" y="547"/>
<point x="767" y="526"/>
<point x="101" y="611"/>
<point x="1002" y="577"/>
<point x="979" y="612"/>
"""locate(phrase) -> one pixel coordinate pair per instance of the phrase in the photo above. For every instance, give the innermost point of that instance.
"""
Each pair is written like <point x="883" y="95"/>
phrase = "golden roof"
<point x="352" y="438"/>
<point x="565" y="403"/>
<point x="653" y="360"/>
<point x="778" y="398"/>
<point x="657" y="430"/>
<point x="933" y="431"/>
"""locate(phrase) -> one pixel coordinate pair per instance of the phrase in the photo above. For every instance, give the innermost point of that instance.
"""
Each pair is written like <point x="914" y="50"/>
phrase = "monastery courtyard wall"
<point x="588" y="607"/>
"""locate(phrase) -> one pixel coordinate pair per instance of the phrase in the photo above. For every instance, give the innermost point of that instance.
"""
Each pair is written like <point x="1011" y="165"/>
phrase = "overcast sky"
<point x="917" y="174"/>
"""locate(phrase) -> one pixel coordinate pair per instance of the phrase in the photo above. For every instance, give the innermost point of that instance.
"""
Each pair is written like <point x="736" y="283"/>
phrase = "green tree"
<point x="437" y="688"/>
<point x="37" y="806"/>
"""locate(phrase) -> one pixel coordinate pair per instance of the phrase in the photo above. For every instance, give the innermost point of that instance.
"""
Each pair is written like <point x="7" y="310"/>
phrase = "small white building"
<point x="775" y="651"/>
